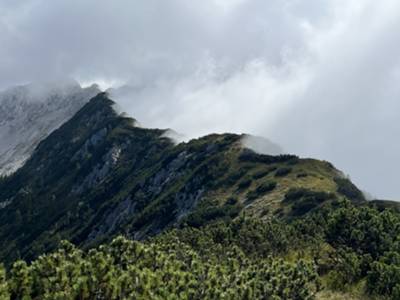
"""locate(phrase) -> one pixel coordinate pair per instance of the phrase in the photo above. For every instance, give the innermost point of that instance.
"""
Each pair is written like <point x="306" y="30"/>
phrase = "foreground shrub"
<point x="384" y="277"/>
<point x="127" y="269"/>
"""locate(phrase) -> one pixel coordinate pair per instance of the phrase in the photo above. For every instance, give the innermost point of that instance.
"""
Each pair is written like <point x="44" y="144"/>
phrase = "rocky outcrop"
<point x="28" y="114"/>
<point x="100" y="171"/>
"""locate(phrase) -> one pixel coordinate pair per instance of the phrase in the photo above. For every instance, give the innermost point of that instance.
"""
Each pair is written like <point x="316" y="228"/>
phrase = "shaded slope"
<point x="69" y="175"/>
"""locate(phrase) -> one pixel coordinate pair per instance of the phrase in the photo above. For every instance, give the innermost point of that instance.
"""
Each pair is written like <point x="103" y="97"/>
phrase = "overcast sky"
<point x="320" y="78"/>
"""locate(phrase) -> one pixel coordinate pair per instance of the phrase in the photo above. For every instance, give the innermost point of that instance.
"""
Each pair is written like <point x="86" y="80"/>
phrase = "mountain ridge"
<point x="99" y="175"/>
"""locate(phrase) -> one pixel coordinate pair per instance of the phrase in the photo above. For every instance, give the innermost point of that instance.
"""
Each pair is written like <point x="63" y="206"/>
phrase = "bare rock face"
<point x="29" y="113"/>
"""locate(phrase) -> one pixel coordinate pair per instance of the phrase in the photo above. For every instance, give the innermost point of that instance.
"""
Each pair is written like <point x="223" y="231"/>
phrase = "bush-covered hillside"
<point x="342" y="250"/>
<point x="205" y="219"/>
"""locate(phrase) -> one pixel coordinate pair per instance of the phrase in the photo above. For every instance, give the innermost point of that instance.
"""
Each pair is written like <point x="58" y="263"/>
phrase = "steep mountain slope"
<point x="30" y="113"/>
<point x="99" y="175"/>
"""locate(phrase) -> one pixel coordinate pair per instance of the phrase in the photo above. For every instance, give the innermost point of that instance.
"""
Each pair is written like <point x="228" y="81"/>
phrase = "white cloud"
<point x="318" y="77"/>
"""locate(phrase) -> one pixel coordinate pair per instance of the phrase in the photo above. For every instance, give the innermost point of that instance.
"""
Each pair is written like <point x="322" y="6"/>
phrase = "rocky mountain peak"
<point x="29" y="113"/>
